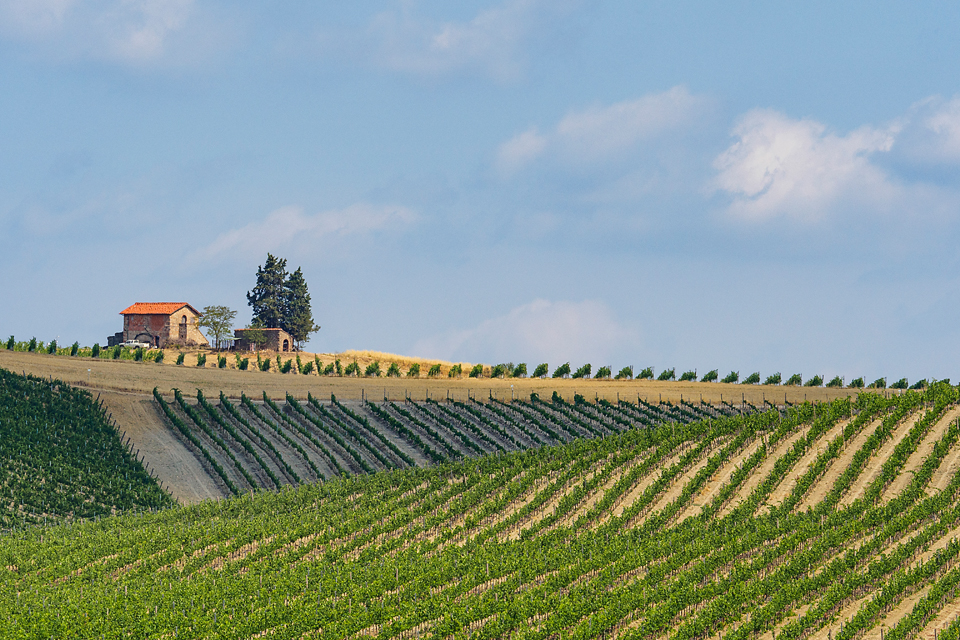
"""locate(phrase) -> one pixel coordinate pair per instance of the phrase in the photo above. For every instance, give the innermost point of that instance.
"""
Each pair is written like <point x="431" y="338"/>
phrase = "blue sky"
<point x="741" y="186"/>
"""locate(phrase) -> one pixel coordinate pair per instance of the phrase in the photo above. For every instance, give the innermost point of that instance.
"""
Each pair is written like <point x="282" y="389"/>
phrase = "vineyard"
<point x="823" y="521"/>
<point x="250" y="444"/>
<point x="60" y="458"/>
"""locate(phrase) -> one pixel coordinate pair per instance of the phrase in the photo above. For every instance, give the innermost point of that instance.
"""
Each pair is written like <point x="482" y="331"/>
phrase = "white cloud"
<point x="289" y="226"/>
<point x="129" y="32"/>
<point x="491" y="42"/>
<point x="554" y="332"/>
<point x="783" y="167"/>
<point x="602" y="133"/>
<point x="930" y="132"/>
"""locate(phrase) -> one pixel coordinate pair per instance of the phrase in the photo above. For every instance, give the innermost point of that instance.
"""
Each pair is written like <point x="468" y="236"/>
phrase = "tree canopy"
<point x="219" y="320"/>
<point x="282" y="301"/>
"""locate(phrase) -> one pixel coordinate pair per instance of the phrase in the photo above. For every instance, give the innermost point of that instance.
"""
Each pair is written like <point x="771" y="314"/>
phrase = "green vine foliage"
<point x="582" y="372"/>
<point x="815" y="381"/>
<point x="519" y="371"/>
<point x="373" y="370"/>
<point x="667" y="374"/>
<point x="476" y="371"/>
<point x="352" y="369"/>
<point x="688" y="376"/>
<point x="645" y="374"/>
<point x="879" y="383"/>
<point x="603" y="373"/>
<point x="774" y="379"/>
<point x="856" y="383"/>
<point x="393" y="371"/>
<point x="180" y="357"/>
<point x="455" y="371"/>
<point x="732" y="377"/>
<point x="835" y="383"/>
<point x="900" y="384"/>
<point x="753" y="378"/>
<point x="562" y="371"/>
<point x="794" y="381"/>
<point x="625" y="374"/>
<point x="434" y="371"/>
<point x="201" y="359"/>
<point x="541" y="371"/>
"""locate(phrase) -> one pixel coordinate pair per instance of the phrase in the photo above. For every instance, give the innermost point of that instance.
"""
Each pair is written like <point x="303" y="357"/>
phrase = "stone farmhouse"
<point x="276" y="340"/>
<point x="162" y="324"/>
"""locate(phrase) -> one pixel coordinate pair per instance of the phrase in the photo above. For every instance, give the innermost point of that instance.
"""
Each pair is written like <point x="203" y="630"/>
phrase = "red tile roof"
<point x="155" y="308"/>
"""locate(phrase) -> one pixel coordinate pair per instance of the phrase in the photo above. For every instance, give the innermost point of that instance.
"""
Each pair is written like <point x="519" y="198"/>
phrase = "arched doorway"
<point x="286" y="345"/>
<point x="183" y="328"/>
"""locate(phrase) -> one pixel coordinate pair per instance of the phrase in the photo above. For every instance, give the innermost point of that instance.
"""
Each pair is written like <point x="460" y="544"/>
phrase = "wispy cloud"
<point x="554" y="332"/>
<point x="291" y="227"/>
<point x="492" y="42"/>
<point x="603" y="132"/>
<point x="128" y="32"/>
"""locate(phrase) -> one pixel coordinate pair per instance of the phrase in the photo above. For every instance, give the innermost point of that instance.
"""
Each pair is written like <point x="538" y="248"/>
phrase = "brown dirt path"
<point x="946" y="615"/>
<point x="719" y="479"/>
<point x="822" y="487"/>
<point x="915" y="461"/>
<point x="179" y="469"/>
<point x="785" y="487"/>
<point x="873" y="468"/>
<point x="747" y="488"/>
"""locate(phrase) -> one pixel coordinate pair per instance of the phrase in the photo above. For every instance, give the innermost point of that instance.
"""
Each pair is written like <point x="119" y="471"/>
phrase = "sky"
<point x="739" y="186"/>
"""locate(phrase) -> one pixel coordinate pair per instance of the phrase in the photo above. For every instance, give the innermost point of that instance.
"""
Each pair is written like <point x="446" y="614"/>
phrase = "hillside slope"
<point x="719" y="540"/>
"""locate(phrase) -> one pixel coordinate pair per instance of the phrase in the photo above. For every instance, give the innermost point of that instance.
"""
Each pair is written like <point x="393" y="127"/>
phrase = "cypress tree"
<point x="267" y="299"/>
<point x="297" y="315"/>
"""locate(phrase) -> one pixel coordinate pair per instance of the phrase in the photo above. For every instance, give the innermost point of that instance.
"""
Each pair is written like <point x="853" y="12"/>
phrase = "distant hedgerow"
<point x="603" y="373"/>
<point x="11" y="343"/>
<point x="541" y="371"/>
<point x="815" y="381"/>
<point x="711" y="376"/>
<point x="645" y="374"/>
<point x="900" y="384"/>
<point x="879" y="383"/>
<point x="688" y="375"/>
<point x="476" y="371"/>
<point x="919" y="384"/>
<point x="562" y="370"/>
<point x="352" y="369"/>
<point x="794" y="381"/>
<point x="625" y="374"/>
<point x="455" y="371"/>
<point x="33" y="345"/>
<point x="519" y="371"/>
<point x="668" y="374"/>
<point x="434" y="371"/>
<point x="393" y="371"/>
<point x="836" y="382"/>
<point x="75" y="349"/>
<point x="414" y="370"/>
<point x="498" y="371"/>
<point x="373" y="370"/>
<point x="753" y="378"/>
<point x="52" y="347"/>
<point x="138" y="354"/>
<point x="117" y="350"/>
<point x="856" y="383"/>
<point x="774" y="379"/>
<point x="732" y="377"/>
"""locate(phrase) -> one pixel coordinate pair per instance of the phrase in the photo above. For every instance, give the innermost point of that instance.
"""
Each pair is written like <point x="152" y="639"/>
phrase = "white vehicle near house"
<point x="136" y="344"/>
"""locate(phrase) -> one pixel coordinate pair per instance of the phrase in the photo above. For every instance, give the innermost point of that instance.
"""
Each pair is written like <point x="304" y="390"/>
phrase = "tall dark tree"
<point x="297" y="315"/>
<point x="268" y="297"/>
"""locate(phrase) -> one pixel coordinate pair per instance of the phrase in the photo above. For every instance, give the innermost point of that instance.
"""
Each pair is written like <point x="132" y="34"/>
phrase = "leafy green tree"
<point x="268" y="296"/>
<point x="297" y="315"/>
<point x="218" y="320"/>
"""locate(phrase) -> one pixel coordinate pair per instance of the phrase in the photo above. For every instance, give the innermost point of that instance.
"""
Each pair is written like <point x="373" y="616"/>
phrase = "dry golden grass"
<point x="142" y="377"/>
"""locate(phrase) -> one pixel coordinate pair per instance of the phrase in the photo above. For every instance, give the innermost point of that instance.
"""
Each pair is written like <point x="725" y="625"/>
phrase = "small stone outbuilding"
<point x="276" y="340"/>
<point x="162" y="324"/>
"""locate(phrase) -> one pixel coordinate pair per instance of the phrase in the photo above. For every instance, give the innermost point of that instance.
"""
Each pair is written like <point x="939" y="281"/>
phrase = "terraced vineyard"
<point x="250" y="444"/>
<point x="830" y="521"/>
<point x="61" y="458"/>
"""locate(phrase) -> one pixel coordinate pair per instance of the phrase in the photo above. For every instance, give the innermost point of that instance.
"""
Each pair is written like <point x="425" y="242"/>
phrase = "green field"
<point x="832" y="520"/>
